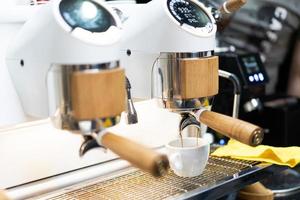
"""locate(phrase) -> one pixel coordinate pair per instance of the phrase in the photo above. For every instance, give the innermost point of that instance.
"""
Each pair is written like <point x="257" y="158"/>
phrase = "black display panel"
<point x="86" y="14"/>
<point x="250" y="64"/>
<point x="187" y="12"/>
<point x="253" y="69"/>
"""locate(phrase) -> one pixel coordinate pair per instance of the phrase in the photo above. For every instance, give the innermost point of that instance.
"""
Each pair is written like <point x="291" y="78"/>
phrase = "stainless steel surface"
<point x="285" y="184"/>
<point x="224" y="49"/>
<point x="287" y="192"/>
<point x="236" y="105"/>
<point x="218" y="175"/>
<point x="94" y="67"/>
<point x="166" y="82"/>
<point x="62" y="101"/>
<point x="187" y="55"/>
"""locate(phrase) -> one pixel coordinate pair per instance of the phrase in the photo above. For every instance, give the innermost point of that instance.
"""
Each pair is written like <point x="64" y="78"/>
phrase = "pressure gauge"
<point x="86" y="14"/>
<point x="188" y="13"/>
<point x="88" y="20"/>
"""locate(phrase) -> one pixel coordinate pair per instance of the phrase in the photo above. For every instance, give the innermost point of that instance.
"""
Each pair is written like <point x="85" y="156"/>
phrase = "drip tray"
<point x="140" y="185"/>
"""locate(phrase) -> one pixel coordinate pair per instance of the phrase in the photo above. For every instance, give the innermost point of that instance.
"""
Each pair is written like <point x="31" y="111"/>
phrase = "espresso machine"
<point x="65" y="64"/>
<point x="276" y="113"/>
<point x="109" y="177"/>
<point x="173" y="53"/>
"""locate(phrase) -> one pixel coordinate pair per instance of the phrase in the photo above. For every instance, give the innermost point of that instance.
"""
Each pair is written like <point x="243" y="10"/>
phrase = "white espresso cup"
<point x="189" y="160"/>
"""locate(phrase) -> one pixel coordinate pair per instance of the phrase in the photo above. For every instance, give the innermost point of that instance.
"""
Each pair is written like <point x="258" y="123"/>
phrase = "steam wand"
<point x="237" y="90"/>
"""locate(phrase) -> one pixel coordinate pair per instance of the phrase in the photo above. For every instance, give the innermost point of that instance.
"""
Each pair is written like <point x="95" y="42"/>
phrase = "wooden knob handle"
<point x="3" y="196"/>
<point x="234" y="128"/>
<point x="231" y="6"/>
<point x="137" y="154"/>
<point x="256" y="191"/>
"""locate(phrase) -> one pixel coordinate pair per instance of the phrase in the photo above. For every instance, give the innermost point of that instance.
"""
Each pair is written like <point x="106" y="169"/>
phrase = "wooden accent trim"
<point x="98" y="94"/>
<point x="199" y="77"/>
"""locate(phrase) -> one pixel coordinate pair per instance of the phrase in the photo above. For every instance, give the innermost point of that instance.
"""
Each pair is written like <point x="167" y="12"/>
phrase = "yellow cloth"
<point x="289" y="156"/>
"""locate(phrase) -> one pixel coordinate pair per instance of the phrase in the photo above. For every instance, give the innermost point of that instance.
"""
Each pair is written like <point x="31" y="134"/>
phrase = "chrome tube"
<point x="236" y="105"/>
<point x="237" y="90"/>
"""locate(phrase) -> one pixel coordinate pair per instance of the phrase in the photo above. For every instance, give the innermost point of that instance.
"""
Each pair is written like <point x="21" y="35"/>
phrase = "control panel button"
<point x="251" y="79"/>
<point x="261" y="77"/>
<point x="256" y="78"/>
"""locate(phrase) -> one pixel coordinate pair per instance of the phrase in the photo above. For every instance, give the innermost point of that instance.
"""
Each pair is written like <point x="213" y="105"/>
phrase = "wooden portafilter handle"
<point x="239" y="130"/>
<point x="138" y="155"/>
<point x="231" y="6"/>
<point x="2" y="195"/>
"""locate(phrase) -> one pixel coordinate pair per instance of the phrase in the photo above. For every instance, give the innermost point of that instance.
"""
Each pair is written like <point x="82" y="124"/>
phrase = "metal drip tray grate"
<point x="140" y="185"/>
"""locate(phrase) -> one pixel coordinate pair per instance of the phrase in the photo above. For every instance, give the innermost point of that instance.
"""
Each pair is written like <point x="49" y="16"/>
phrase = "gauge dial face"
<point x="86" y="14"/>
<point x="189" y="13"/>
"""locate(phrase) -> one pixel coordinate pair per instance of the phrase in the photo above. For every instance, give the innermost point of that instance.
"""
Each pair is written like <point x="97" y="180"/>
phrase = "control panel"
<point x="252" y="69"/>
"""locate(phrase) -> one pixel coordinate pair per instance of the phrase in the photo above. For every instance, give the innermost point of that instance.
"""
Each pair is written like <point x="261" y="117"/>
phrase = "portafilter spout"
<point x="191" y="124"/>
